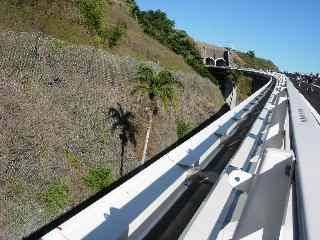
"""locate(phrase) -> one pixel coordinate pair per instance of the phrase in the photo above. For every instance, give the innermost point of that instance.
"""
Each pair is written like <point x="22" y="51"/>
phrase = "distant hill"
<point x="251" y="61"/>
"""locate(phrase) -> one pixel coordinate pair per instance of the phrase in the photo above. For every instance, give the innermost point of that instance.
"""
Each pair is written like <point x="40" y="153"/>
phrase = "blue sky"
<point x="285" y="31"/>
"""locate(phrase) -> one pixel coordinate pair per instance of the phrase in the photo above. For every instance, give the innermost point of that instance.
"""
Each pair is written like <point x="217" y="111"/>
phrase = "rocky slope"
<point x="54" y="100"/>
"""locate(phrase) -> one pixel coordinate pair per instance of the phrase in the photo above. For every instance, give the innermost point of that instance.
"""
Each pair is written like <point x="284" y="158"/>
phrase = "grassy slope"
<point x="61" y="19"/>
<point x="245" y="60"/>
<point x="244" y="84"/>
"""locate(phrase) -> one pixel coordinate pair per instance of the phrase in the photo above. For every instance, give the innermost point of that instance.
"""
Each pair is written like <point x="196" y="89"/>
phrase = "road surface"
<point x="312" y="96"/>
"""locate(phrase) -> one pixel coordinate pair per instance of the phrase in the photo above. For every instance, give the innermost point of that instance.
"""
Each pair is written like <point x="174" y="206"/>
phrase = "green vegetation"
<point x="115" y="33"/>
<point x="56" y="197"/>
<point x="56" y="45"/>
<point x="98" y="178"/>
<point x="161" y="86"/>
<point x="72" y="158"/>
<point x="183" y="127"/>
<point x="251" y="61"/>
<point x="234" y="76"/>
<point x="159" y="26"/>
<point x="243" y="83"/>
<point x="133" y="8"/>
<point x="93" y="12"/>
<point x="251" y="53"/>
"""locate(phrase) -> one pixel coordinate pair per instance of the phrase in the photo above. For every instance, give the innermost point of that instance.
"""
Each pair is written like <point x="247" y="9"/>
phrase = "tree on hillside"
<point x="160" y="27"/>
<point x="123" y="121"/>
<point x="251" y="53"/>
<point x="156" y="87"/>
<point x="133" y="9"/>
<point x="157" y="24"/>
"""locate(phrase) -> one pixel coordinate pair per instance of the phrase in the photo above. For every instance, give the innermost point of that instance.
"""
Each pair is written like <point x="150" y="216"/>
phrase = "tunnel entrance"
<point x="210" y="61"/>
<point x="220" y="62"/>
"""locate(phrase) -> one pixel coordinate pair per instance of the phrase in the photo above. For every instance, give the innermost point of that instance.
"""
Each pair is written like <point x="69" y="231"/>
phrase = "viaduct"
<point x="215" y="56"/>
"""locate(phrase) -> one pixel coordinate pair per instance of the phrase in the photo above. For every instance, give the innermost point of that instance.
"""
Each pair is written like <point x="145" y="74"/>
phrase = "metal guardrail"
<point x="305" y="134"/>
<point x="137" y="205"/>
<point x="249" y="188"/>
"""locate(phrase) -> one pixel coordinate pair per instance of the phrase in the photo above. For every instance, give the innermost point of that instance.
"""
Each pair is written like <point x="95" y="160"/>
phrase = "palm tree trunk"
<point x="145" y="148"/>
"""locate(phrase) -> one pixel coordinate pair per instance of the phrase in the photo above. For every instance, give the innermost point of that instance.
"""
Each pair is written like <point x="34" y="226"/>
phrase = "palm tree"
<point x="154" y="86"/>
<point x="123" y="121"/>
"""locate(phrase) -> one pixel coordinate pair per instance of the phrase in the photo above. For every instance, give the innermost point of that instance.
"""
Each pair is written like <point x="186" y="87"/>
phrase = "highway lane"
<point x="312" y="96"/>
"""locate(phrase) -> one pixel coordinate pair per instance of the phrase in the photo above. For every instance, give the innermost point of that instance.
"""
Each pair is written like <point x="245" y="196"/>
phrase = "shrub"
<point x="183" y="127"/>
<point x="98" y="178"/>
<point x="133" y="8"/>
<point x="251" y="53"/>
<point x="71" y="157"/>
<point x="92" y="11"/>
<point x="114" y="34"/>
<point x="56" y="45"/>
<point x="244" y="87"/>
<point x="56" y="197"/>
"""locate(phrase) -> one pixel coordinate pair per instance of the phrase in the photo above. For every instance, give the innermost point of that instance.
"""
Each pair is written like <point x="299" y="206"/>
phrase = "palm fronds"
<point x="163" y="86"/>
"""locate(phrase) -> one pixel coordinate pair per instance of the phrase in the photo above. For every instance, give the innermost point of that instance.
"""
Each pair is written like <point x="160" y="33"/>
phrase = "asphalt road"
<point x="312" y="96"/>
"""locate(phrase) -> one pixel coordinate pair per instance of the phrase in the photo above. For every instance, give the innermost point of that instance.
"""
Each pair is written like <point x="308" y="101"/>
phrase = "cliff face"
<point x="54" y="100"/>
